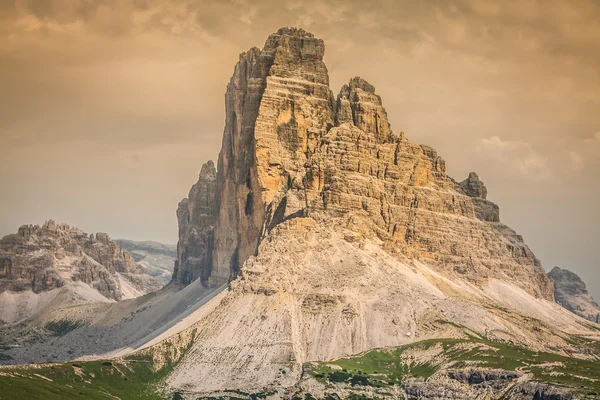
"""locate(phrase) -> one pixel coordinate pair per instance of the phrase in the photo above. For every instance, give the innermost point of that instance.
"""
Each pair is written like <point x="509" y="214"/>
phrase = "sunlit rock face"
<point x="293" y="149"/>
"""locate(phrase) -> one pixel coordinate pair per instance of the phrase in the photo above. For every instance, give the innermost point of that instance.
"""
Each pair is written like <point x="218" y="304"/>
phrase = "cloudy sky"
<point x="109" y="108"/>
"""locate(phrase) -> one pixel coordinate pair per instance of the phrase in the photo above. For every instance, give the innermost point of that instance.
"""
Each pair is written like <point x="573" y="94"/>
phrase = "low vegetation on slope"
<point x="456" y="359"/>
<point x="133" y="378"/>
<point x="137" y="376"/>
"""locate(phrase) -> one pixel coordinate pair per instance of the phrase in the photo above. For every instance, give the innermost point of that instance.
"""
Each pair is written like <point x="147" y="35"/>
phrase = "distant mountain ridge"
<point x="571" y="293"/>
<point x="158" y="258"/>
<point x="43" y="260"/>
<point x="148" y="245"/>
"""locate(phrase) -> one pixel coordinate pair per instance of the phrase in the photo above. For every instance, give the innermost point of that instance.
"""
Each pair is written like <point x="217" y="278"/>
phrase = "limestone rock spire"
<point x="358" y="104"/>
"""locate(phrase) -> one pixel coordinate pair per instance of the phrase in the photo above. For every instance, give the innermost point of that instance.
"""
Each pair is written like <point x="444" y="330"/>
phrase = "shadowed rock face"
<point x="571" y="293"/>
<point x="41" y="258"/>
<point x="196" y="216"/>
<point x="291" y="149"/>
<point x="473" y="187"/>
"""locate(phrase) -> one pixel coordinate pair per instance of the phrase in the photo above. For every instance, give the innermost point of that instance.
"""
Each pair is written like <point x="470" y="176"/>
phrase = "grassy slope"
<point x="138" y="376"/>
<point x="387" y="367"/>
<point x="127" y="379"/>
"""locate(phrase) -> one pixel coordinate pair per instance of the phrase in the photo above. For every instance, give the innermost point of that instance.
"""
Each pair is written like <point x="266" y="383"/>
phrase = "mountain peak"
<point x="291" y="149"/>
<point x="293" y="31"/>
<point x="359" y="83"/>
<point x="208" y="170"/>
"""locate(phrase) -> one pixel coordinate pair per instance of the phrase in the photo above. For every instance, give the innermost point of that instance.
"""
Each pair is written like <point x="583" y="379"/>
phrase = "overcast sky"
<point x="109" y="108"/>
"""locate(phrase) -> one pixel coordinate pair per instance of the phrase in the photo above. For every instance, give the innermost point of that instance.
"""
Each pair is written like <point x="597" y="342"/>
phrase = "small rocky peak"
<point x="208" y="170"/>
<point x="28" y="230"/>
<point x="474" y="187"/>
<point x="103" y="237"/>
<point x="205" y="188"/>
<point x="359" y="83"/>
<point x="196" y="217"/>
<point x="438" y="164"/>
<point x="555" y="270"/>
<point x="201" y="199"/>
<point x="294" y="45"/>
<point x="358" y="104"/>
<point x="50" y="225"/>
<point x="570" y="291"/>
<point x="567" y="279"/>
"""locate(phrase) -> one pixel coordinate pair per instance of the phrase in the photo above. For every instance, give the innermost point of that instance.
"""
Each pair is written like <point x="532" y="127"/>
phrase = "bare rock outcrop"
<point x="42" y="258"/>
<point x="290" y="149"/>
<point x="542" y="391"/>
<point x="196" y="216"/>
<point x="358" y="104"/>
<point x="473" y="187"/>
<point x="571" y="293"/>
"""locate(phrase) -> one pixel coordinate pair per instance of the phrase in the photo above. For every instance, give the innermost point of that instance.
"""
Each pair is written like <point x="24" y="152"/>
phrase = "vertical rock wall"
<point x="196" y="216"/>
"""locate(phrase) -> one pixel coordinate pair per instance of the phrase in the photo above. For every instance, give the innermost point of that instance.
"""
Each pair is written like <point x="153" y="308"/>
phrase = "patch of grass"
<point x="134" y="377"/>
<point x="584" y="343"/>
<point x="128" y="379"/>
<point x="387" y="367"/>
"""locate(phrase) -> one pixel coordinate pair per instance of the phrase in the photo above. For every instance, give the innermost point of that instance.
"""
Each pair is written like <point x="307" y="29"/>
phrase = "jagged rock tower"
<point x="291" y="149"/>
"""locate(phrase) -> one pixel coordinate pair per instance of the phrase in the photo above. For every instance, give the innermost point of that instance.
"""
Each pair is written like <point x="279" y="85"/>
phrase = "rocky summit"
<point x="571" y="293"/>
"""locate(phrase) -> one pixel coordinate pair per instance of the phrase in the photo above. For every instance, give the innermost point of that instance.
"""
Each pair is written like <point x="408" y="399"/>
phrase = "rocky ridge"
<point x="571" y="293"/>
<point x="43" y="258"/>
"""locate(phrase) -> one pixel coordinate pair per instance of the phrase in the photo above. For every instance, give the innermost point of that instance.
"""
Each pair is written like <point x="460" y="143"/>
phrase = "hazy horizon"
<point x="109" y="108"/>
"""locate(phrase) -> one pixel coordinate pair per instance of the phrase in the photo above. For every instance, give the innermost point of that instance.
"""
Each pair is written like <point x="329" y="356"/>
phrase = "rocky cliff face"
<point x="291" y="149"/>
<point x="571" y="293"/>
<point x="42" y="258"/>
<point x="196" y="216"/>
